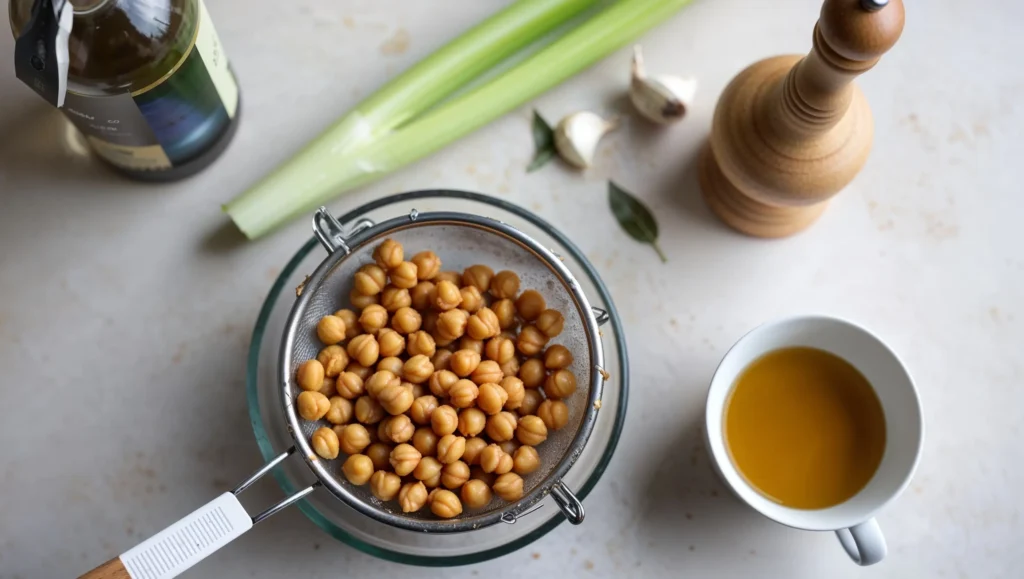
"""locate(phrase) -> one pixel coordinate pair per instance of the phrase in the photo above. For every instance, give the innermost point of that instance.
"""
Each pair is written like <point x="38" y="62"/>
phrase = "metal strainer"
<point x="461" y="240"/>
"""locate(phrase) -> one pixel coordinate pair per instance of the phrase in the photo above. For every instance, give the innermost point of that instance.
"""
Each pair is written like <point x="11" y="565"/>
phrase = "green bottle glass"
<point x="147" y="82"/>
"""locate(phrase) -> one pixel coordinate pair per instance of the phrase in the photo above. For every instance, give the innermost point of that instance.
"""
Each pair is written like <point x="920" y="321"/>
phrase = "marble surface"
<point x="126" y="309"/>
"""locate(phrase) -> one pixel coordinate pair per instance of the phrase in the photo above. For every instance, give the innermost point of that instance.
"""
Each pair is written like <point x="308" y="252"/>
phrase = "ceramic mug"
<point x="852" y="520"/>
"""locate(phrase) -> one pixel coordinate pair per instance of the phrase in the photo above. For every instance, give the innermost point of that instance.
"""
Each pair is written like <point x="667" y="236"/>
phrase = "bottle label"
<point x="169" y="122"/>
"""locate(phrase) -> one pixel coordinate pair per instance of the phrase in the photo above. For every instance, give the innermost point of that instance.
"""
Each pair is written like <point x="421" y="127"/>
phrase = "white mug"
<point x="852" y="520"/>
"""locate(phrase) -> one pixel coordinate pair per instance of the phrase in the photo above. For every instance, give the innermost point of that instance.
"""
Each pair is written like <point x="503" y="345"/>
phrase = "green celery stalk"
<point x="292" y="192"/>
<point x="424" y="85"/>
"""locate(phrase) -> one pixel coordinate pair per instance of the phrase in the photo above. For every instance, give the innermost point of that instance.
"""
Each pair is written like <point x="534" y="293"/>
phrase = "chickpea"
<point x="554" y="413"/>
<point x="532" y="373"/>
<point x="313" y="406"/>
<point x="412" y="497"/>
<point x="477" y="473"/>
<point x="525" y="460"/>
<point x="445" y="504"/>
<point x="530" y="304"/>
<point x="500" y="349"/>
<point x="370" y="280"/>
<point x="510" y="368"/>
<point x="448" y="296"/>
<point x="425" y="441"/>
<point x="509" y="487"/>
<point x="494" y="459"/>
<point x="429" y="471"/>
<point x="310" y="375"/>
<point x="359" y="301"/>
<point x="510" y="446"/>
<point x="422" y="408"/>
<point x="454" y="474"/>
<point x="475" y="493"/>
<point x="441" y="381"/>
<point x="487" y="371"/>
<point x="531" y="401"/>
<point x="423" y="295"/>
<point x="389" y="254"/>
<point x="450" y="448"/>
<point x="483" y="324"/>
<point x="396" y="400"/>
<point x="550" y="322"/>
<point x="440" y="359"/>
<point x="492" y="398"/>
<point x="451" y="325"/>
<point x="358" y="469"/>
<point x="351" y="322"/>
<point x="531" y="341"/>
<point x="472" y="421"/>
<point x="380" y="454"/>
<point x="505" y="285"/>
<point x="417" y="390"/>
<point x="368" y="410"/>
<point x="371" y="434"/>
<point x="390" y="343"/>
<point x="463" y="393"/>
<point x="452" y="276"/>
<point x="373" y="318"/>
<point x="399" y="428"/>
<point x="463" y="362"/>
<point x="404" y="459"/>
<point x="557" y="357"/>
<point x="340" y="411"/>
<point x="385" y="485"/>
<point x="501" y="426"/>
<point x="333" y="358"/>
<point x="391" y="364"/>
<point x="474" y="446"/>
<point x="395" y="298"/>
<point x="406" y="321"/>
<point x="330" y="329"/>
<point x="468" y="343"/>
<point x="421" y="343"/>
<point x="325" y="443"/>
<point x="364" y="349"/>
<point x="560" y="384"/>
<point x="531" y="430"/>
<point x="478" y="276"/>
<point x="514" y="392"/>
<point x="428" y="264"/>
<point x="506" y="312"/>
<point x="472" y="299"/>
<point x="379" y="381"/>
<point x="417" y="369"/>
<point x="444" y="420"/>
<point x="429" y="324"/>
<point x="363" y="372"/>
<point x="404" y="275"/>
<point x="349" y="385"/>
<point x="329" y="387"/>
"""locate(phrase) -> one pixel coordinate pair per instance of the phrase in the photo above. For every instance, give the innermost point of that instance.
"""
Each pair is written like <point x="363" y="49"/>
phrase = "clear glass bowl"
<point x="371" y="536"/>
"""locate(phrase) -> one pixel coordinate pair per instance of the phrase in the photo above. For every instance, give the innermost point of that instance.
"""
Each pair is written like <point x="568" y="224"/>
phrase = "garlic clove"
<point x="577" y="135"/>
<point x="663" y="99"/>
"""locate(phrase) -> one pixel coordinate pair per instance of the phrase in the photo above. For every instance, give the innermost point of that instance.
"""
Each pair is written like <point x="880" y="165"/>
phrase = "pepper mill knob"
<point x="791" y="132"/>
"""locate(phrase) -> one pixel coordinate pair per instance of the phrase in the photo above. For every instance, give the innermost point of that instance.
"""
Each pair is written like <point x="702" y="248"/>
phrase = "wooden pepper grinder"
<point x="790" y="132"/>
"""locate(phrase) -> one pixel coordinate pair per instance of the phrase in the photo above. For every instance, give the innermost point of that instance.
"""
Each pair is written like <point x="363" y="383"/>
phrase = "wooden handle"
<point x="112" y="569"/>
<point x="849" y="39"/>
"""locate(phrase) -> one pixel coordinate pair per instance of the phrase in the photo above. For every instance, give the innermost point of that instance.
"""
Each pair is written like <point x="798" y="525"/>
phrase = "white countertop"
<point x="125" y="315"/>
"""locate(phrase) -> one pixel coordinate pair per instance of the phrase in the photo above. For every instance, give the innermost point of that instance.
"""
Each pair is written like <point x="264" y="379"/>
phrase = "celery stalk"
<point x="316" y="176"/>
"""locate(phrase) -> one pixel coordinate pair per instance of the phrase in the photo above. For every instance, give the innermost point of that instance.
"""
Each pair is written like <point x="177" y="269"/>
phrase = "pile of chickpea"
<point x="430" y="390"/>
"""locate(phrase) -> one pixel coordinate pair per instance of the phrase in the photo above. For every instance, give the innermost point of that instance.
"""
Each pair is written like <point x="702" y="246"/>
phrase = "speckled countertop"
<point x="126" y="312"/>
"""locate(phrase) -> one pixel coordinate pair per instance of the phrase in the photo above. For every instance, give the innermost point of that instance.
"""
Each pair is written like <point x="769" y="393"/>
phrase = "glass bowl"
<point x="366" y="534"/>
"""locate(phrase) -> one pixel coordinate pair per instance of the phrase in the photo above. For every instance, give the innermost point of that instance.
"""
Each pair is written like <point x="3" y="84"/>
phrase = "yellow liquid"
<point x="805" y="428"/>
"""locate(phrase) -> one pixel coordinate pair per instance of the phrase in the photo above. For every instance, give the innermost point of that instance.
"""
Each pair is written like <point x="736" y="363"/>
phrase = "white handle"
<point x="864" y="543"/>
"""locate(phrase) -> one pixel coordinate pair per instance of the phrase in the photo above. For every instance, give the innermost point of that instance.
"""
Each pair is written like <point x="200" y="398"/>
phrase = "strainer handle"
<point x="570" y="506"/>
<point x="198" y="535"/>
<point x="332" y="235"/>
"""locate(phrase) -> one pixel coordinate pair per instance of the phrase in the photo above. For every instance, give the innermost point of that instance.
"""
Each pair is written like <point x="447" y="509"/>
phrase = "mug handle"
<point x="864" y="543"/>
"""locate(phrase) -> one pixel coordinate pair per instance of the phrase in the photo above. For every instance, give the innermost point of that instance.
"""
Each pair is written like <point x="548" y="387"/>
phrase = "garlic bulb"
<point x="577" y="135"/>
<point x="662" y="99"/>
